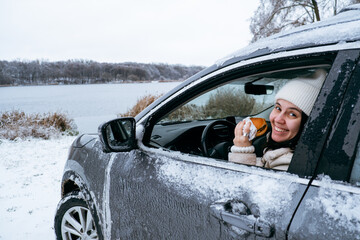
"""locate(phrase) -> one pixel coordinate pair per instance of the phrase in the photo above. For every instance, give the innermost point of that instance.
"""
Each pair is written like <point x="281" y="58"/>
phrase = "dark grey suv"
<point x="165" y="175"/>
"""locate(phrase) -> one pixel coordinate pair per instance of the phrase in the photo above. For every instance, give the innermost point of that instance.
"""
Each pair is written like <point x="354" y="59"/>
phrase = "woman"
<point x="293" y="105"/>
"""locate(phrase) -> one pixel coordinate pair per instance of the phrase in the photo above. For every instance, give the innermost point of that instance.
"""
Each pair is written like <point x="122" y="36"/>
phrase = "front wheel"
<point x="73" y="219"/>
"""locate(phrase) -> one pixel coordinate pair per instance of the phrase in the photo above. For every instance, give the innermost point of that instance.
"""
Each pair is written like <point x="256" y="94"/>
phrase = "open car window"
<point x="230" y="99"/>
<point x="181" y="128"/>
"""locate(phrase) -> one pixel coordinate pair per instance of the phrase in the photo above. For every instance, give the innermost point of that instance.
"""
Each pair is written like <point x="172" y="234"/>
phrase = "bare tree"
<point x="273" y="16"/>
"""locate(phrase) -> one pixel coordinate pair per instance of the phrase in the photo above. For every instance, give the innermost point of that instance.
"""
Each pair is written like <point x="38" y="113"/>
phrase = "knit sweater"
<point x="275" y="159"/>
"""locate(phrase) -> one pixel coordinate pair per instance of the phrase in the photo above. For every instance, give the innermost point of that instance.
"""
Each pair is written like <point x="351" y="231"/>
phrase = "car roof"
<point x="342" y="28"/>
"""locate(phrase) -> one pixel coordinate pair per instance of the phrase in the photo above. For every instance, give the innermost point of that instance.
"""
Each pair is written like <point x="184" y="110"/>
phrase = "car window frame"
<point x="318" y="126"/>
<point x="337" y="160"/>
<point x="302" y="60"/>
<point x="355" y="171"/>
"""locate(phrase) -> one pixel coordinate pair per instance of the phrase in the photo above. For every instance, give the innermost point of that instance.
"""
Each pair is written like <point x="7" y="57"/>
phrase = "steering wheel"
<point x="215" y="145"/>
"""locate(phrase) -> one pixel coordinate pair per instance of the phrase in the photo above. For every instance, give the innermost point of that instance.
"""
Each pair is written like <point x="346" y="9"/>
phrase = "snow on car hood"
<point x="343" y="27"/>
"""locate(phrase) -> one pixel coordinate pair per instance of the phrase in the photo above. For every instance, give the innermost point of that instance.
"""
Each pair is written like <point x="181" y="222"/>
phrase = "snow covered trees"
<point x="273" y="16"/>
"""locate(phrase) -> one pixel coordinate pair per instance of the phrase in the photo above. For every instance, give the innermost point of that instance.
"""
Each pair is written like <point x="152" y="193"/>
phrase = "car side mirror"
<point x="118" y="135"/>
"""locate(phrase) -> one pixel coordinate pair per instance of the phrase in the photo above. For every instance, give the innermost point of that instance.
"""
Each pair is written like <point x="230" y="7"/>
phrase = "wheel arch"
<point x="73" y="182"/>
<point x="69" y="186"/>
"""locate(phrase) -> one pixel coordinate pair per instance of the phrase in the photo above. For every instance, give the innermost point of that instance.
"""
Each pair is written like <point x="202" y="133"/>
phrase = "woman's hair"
<point x="271" y="144"/>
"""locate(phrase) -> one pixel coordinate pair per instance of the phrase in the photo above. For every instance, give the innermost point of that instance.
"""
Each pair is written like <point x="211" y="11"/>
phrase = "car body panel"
<point x="329" y="210"/>
<point x="85" y="168"/>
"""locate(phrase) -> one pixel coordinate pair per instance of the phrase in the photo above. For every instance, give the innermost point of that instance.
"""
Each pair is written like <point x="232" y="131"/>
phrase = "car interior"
<point x="204" y="125"/>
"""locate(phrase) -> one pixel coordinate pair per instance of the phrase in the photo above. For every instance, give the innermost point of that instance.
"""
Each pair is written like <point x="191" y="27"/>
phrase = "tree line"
<point x="88" y="72"/>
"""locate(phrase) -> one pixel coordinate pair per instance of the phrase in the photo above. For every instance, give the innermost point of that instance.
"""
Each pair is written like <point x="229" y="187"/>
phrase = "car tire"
<point x="74" y="220"/>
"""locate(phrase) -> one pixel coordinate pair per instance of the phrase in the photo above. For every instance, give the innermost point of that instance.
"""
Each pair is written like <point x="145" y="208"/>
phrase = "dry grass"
<point x="140" y="105"/>
<point x="17" y="124"/>
<point x="221" y="104"/>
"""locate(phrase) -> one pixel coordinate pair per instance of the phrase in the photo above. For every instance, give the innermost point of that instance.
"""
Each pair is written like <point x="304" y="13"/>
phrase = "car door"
<point x="157" y="193"/>
<point x="330" y="208"/>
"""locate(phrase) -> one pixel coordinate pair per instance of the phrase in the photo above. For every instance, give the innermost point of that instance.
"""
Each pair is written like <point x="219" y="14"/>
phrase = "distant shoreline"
<point x="114" y="82"/>
<point x="36" y="73"/>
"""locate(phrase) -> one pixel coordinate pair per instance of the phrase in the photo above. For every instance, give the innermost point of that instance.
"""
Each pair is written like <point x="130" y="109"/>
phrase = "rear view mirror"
<point x="258" y="89"/>
<point x="118" y="135"/>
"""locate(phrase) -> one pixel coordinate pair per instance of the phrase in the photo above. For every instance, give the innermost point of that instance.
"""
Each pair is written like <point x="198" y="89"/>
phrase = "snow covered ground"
<point x="30" y="175"/>
<point x="31" y="170"/>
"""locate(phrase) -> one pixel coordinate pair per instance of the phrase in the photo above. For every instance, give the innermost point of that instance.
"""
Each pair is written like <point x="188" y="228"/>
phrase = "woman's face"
<point x="285" y="121"/>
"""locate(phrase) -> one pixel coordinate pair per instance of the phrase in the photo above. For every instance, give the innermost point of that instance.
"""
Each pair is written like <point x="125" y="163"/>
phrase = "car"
<point x="165" y="174"/>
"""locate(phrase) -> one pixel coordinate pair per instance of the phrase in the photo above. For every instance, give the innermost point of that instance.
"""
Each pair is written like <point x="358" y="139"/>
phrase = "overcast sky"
<point x="189" y="32"/>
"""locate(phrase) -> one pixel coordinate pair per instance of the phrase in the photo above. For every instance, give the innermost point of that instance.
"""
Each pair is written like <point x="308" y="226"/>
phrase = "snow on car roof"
<point x="344" y="27"/>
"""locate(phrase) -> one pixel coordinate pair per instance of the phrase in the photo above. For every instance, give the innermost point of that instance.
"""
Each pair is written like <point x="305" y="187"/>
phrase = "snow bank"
<point x="30" y="175"/>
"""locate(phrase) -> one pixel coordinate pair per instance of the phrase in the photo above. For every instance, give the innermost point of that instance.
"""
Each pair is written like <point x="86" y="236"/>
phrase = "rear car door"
<point x="330" y="208"/>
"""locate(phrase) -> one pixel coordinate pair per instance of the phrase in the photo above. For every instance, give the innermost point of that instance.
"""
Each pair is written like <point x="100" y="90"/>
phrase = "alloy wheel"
<point x="78" y="223"/>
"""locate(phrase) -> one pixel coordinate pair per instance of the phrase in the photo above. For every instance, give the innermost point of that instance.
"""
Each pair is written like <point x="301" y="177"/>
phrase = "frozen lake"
<point x="88" y="105"/>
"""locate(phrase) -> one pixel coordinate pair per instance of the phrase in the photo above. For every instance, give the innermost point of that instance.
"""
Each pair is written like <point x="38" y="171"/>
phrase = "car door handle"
<point x="247" y="222"/>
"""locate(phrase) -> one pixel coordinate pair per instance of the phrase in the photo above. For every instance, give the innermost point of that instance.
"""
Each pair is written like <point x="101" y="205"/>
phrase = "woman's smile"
<point x="280" y="129"/>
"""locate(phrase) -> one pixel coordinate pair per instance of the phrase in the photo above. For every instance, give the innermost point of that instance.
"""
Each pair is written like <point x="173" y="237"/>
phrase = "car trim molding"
<point x="336" y="185"/>
<point x="106" y="198"/>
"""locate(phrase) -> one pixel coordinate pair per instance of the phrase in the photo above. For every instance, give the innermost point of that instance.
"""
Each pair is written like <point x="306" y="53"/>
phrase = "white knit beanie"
<point x="302" y="92"/>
